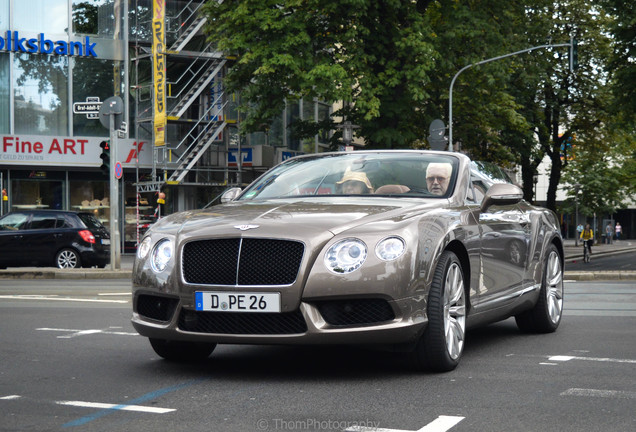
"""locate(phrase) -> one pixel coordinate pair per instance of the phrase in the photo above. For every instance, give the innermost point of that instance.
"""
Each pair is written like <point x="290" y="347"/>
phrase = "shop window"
<point x="40" y="94"/>
<point x="37" y="194"/>
<point x="92" y="197"/>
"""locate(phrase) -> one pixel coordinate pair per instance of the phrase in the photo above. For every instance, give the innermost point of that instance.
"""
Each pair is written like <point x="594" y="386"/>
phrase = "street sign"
<point x="86" y="107"/>
<point x="118" y="170"/>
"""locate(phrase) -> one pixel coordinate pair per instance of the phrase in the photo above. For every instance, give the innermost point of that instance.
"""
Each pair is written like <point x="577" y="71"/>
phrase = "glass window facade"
<point x="40" y="87"/>
<point x="41" y="16"/>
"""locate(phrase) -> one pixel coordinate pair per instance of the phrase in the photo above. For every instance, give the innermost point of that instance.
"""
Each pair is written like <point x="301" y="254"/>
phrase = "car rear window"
<point x="90" y="221"/>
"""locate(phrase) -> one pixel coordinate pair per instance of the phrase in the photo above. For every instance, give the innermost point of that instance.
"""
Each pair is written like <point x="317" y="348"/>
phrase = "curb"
<point x="66" y="274"/>
<point x="599" y="275"/>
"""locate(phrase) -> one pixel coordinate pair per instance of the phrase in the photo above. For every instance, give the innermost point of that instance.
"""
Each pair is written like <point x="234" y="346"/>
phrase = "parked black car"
<point x="62" y="239"/>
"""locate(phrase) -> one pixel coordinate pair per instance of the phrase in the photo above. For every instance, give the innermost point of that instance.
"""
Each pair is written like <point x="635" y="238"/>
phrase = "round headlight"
<point x="346" y="256"/>
<point x="144" y="248"/>
<point x="161" y="255"/>
<point x="390" y="248"/>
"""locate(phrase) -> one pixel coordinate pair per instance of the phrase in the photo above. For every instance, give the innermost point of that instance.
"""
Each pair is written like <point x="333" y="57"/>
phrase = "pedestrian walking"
<point x="609" y="233"/>
<point x="618" y="230"/>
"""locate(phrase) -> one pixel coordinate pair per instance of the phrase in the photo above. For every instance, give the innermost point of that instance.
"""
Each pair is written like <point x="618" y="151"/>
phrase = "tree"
<point x="373" y="55"/>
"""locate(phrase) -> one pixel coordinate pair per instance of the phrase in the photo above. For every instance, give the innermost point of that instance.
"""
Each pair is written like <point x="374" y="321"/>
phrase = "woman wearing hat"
<point x="355" y="183"/>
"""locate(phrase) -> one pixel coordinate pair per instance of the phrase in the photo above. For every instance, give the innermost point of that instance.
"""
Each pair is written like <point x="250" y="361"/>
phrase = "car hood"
<point x="292" y="219"/>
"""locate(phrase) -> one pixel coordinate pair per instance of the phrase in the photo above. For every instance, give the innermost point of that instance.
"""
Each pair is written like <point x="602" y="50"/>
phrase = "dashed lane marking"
<point x="564" y="358"/>
<point x="138" y="408"/>
<point x="77" y="332"/>
<point x="600" y="393"/>
<point x="440" y="424"/>
<point x="57" y="298"/>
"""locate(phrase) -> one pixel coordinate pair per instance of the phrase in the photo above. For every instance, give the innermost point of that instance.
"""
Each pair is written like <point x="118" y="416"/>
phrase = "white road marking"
<point x="77" y="332"/>
<point x="440" y="424"/>
<point x="10" y="397"/>
<point x="138" y="408"/>
<point x="115" y="294"/>
<point x="56" y="298"/>
<point x="596" y="359"/>
<point x="599" y="393"/>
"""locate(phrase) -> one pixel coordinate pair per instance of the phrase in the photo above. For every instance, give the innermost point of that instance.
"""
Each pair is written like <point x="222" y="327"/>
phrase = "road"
<point x="70" y="360"/>
<point x="614" y="262"/>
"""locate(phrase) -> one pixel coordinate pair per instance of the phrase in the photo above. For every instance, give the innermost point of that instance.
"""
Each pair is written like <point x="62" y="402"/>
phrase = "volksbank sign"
<point x="40" y="45"/>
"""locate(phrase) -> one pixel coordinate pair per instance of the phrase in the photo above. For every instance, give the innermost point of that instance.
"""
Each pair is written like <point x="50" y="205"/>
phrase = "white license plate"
<point x="237" y="302"/>
<point x="105" y="241"/>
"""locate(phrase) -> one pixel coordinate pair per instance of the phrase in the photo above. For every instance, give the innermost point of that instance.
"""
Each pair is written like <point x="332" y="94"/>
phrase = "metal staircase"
<point x="204" y="76"/>
<point x="197" y="68"/>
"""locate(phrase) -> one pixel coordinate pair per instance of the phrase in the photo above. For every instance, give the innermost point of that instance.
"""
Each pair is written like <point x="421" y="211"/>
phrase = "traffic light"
<point x="105" y="157"/>
<point x="574" y="54"/>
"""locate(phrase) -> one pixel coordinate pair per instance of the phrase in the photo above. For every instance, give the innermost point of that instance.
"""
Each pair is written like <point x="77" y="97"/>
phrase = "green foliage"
<point x="392" y="62"/>
<point x="373" y="55"/>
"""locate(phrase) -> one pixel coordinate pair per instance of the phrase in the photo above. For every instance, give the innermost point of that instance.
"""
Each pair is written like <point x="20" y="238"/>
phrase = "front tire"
<point x="181" y="351"/>
<point x="546" y="314"/>
<point x="67" y="258"/>
<point x="441" y="346"/>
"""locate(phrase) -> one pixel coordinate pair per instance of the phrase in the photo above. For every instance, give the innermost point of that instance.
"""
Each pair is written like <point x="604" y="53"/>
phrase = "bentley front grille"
<point x="242" y="261"/>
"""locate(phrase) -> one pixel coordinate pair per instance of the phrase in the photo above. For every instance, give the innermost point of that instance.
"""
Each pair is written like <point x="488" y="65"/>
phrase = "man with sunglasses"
<point x="438" y="177"/>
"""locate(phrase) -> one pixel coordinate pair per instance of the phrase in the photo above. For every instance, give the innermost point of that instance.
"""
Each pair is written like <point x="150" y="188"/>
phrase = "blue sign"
<point x="118" y="171"/>
<point x="246" y="157"/>
<point x="13" y="42"/>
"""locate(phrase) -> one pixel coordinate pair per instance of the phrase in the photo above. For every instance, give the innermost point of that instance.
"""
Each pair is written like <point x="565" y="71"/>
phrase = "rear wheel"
<point x="181" y="350"/>
<point x="67" y="258"/>
<point x="546" y="314"/>
<point x="441" y="346"/>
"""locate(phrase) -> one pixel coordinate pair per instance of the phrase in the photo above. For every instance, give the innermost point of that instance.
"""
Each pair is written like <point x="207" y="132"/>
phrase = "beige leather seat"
<point x="392" y="189"/>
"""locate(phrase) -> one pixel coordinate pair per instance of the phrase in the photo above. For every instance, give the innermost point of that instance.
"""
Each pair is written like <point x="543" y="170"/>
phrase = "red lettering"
<point x="55" y="146"/>
<point x="38" y="147"/>
<point x="69" y="145"/>
<point x="6" y="142"/>
<point x="82" y="142"/>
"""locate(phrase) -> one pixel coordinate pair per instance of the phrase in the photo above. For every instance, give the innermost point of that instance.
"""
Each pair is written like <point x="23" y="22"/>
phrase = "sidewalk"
<point x="572" y="253"/>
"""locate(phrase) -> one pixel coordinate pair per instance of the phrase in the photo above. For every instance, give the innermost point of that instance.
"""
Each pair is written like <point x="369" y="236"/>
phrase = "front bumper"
<point x="346" y="321"/>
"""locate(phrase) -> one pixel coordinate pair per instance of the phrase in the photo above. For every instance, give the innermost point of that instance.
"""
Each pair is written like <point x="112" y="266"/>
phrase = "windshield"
<point x="407" y="174"/>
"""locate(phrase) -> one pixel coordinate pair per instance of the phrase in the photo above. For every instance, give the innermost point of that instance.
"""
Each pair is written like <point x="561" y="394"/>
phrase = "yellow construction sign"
<point x="159" y="70"/>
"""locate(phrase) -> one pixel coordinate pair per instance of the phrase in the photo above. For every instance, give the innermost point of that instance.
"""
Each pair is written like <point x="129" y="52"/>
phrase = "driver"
<point x="438" y="177"/>
<point x="355" y="183"/>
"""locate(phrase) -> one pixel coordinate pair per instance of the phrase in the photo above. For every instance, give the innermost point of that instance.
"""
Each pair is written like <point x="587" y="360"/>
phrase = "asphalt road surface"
<point x="620" y="261"/>
<point x="71" y="361"/>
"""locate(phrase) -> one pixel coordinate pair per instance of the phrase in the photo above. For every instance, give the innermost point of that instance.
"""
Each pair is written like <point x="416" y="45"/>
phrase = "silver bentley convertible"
<point x="402" y="248"/>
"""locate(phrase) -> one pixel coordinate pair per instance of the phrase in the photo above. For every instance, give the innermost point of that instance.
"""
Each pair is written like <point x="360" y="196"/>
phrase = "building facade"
<point x="59" y="59"/>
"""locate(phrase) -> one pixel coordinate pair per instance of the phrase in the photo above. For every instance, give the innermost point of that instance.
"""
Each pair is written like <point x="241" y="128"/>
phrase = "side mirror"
<point x="230" y="195"/>
<point x="502" y="194"/>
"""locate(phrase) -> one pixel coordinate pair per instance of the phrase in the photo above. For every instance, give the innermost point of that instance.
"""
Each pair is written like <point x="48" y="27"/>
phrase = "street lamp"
<point x="577" y="188"/>
<point x="347" y="132"/>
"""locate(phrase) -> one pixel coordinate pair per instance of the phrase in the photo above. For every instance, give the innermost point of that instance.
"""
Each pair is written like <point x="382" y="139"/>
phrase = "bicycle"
<point x="586" y="251"/>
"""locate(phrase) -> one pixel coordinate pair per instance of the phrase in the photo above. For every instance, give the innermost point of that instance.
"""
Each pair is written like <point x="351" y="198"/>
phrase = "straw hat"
<point x="355" y="176"/>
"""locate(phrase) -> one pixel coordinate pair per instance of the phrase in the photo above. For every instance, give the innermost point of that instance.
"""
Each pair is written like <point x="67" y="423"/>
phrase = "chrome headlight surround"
<point x="390" y="248"/>
<point x="161" y="255"/>
<point x="144" y="248"/>
<point x="346" y="256"/>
